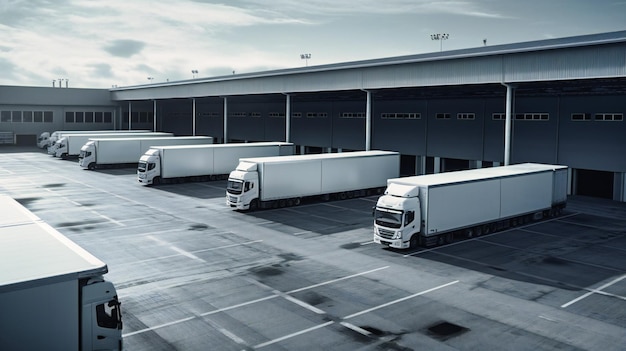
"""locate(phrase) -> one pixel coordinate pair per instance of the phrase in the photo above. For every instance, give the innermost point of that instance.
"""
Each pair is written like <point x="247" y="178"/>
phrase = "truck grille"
<point x="385" y="233"/>
<point x="232" y="199"/>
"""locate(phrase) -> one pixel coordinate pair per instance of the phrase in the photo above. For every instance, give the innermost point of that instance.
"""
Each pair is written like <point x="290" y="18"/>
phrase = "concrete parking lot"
<point x="192" y="274"/>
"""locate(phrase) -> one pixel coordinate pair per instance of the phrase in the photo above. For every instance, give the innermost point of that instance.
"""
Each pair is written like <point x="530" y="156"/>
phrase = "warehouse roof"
<point x="580" y="57"/>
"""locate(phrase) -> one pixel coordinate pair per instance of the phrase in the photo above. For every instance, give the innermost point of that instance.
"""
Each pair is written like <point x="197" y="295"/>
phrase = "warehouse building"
<point x="558" y="101"/>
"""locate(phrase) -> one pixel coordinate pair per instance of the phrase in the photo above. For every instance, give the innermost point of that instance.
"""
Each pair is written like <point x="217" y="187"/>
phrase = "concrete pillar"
<point x="129" y="116"/>
<point x="437" y="165"/>
<point x="225" y="119"/>
<point x="510" y="91"/>
<point x="368" y="121"/>
<point x="288" y="119"/>
<point x="420" y="165"/>
<point x="154" y="116"/>
<point x="193" y="118"/>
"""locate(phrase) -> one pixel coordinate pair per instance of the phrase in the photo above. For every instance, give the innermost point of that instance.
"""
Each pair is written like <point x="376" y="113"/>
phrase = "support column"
<point x="154" y="116"/>
<point x="420" y="165"/>
<point x="368" y="121"/>
<point x="288" y="119"/>
<point x="510" y="91"/>
<point x="225" y="120"/>
<point x="193" y="118"/>
<point x="436" y="165"/>
<point x="129" y="116"/>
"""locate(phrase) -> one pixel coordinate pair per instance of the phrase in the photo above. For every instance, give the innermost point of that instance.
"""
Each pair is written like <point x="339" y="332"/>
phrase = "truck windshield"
<point x="388" y="218"/>
<point x="141" y="167"/>
<point x="234" y="187"/>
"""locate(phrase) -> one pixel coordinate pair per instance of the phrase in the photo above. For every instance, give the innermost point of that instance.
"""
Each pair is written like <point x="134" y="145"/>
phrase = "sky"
<point x="115" y="43"/>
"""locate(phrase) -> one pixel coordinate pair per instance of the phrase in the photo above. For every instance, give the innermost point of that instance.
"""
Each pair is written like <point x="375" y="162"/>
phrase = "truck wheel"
<point x="156" y="181"/>
<point x="254" y="205"/>
<point x="297" y="201"/>
<point x="91" y="166"/>
<point x="414" y="243"/>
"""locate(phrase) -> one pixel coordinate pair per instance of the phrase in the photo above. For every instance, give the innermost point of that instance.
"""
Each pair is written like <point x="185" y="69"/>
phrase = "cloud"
<point x="124" y="47"/>
<point x="357" y="7"/>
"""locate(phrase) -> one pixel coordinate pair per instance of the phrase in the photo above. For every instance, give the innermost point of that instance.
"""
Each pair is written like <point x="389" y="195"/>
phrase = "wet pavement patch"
<point x="374" y="331"/>
<point x="290" y="257"/>
<point x="445" y="330"/>
<point x="25" y="201"/>
<point x="53" y="185"/>
<point x="267" y="271"/>
<point x="198" y="227"/>
<point x="554" y="260"/>
<point x="313" y="298"/>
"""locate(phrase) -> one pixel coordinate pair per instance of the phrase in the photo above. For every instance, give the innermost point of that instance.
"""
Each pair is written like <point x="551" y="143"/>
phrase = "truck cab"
<point x="101" y="316"/>
<point x="87" y="156"/>
<point x="397" y="217"/>
<point x="43" y="140"/>
<point x="54" y="146"/>
<point x="149" y="167"/>
<point x="61" y="148"/>
<point x="242" y="191"/>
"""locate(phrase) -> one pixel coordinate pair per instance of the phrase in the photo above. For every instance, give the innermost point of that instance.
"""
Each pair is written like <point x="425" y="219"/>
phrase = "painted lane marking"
<point x="595" y="291"/>
<point x="244" y="303"/>
<point x="293" y="334"/>
<point x="350" y="325"/>
<point x="400" y="300"/>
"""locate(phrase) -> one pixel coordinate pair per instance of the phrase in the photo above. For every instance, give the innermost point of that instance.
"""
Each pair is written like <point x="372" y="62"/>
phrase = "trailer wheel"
<point x="478" y="231"/>
<point x="297" y="201"/>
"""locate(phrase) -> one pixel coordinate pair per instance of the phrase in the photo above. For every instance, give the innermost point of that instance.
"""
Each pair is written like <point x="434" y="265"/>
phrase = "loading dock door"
<point x="26" y="139"/>
<point x="593" y="183"/>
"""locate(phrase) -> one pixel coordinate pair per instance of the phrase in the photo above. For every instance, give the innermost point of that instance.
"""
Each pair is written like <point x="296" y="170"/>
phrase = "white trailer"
<point x="103" y="151"/>
<point x="46" y="139"/>
<point x="430" y="209"/>
<point x="52" y="292"/>
<point x="278" y="181"/>
<point x="164" y="163"/>
<point x="69" y="145"/>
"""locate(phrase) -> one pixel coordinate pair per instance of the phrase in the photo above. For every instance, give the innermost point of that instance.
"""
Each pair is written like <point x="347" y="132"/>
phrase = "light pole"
<point x="441" y="37"/>
<point x="194" y="72"/>
<point x="306" y="58"/>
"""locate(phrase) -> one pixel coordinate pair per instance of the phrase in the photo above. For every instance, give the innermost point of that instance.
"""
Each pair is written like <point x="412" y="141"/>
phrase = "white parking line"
<point x="243" y="303"/>
<point x="400" y="300"/>
<point x="594" y="291"/>
<point x="350" y="325"/>
<point x="292" y="335"/>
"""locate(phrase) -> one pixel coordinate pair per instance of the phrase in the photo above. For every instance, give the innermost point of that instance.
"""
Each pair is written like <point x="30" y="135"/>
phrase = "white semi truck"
<point x="103" y="151"/>
<point x="285" y="180"/>
<point x="52" y="292"/>
<point x="69" y="145"/>
<point x="46" y="139"/>
<point x="165" y="163"/>
<point x="430" y="209"/>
